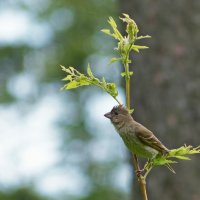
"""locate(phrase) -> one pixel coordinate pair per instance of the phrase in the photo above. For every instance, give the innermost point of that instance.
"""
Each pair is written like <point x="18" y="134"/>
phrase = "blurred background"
<point x="58" y="145"/>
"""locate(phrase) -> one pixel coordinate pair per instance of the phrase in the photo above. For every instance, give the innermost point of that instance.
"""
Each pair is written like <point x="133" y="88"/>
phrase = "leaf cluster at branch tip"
<point x="76" y="79"/>
<point x="180" y="153"/>
<point x="125" y="43"/>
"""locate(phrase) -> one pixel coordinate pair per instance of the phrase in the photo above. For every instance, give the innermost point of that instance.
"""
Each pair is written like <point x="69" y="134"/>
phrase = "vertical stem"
<point x="128" y="93"/>
<point x="141" y="179"/>
<point x="128" y="96"/>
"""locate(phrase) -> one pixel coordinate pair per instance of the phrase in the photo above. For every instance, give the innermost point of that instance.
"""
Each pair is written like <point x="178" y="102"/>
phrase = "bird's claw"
<point x="139" y="172"/>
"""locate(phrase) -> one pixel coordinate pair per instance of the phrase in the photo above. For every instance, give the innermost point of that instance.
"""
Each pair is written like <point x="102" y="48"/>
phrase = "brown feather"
<point x="148" y="138"/>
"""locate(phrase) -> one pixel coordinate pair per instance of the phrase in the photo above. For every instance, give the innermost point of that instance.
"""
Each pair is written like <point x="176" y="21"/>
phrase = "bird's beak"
<point x="108" y="115"/>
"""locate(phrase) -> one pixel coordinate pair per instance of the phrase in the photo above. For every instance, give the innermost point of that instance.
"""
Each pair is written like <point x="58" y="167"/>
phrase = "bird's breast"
<point x="135" y="145"/>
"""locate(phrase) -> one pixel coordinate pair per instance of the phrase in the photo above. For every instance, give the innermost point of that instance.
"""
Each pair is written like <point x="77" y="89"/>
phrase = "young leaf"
<point x="131" y="111"/>
<point x="114" y="60"/>
<point x="140" y="47"/>
<point x="143" y="37"/>
<point x="112" y="22"/>
<point x="106" y="31"/>
<point x="130" y="73"/>
<point x="65" y="69"/>
<point x="89" y="72"/>
<point x="179" y="153"/>
<point x="182" y="157"/>
<point x="135" y="49"/>
<point x="67" y="78"/>
<point x="104" y="82"/>
<point x="117" y="35"/>
<point x="71" y="85"/>
<point x="76" y="79"/>
<point x="123" y="74"/>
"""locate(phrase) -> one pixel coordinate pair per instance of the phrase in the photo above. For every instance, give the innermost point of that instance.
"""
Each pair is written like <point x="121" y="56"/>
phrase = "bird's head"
<point x="118" y="114"/>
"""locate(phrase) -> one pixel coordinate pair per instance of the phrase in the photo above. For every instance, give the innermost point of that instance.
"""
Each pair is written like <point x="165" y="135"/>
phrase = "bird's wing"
<point x="148" y="138"/>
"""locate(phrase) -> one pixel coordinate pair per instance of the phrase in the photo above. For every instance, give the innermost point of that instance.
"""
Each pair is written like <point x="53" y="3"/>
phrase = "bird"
<point x="138" y="139"/>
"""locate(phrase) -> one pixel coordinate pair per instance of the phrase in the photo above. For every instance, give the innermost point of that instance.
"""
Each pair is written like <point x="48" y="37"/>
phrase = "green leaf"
<point x="72" y="85"/>
<point x="106" y="31"/>
<point x="135" y="49"/>
<point x="130" y="73"/>
<point x="104" y="82"/>
<point x="182" y="157"/>
<point x="112" y="22"/>
<point x="179" y="153"/>
<point x="65" y="69"/>
<point x="125" y="15"/>
<point x="114" y="60"/>
<point x="89" y="72"/>
<point x="161" y="160"/>
<point x="67" y="78"/>
<point x="76" y="79"/>
<point x="140" y="47"/>
<point x="131" y="28"/>
<point x="123" y="74"/>
<point x="117" y="35"/>
<point x="143" y="37"/>
<point x="131" y="111"/>
<point x="125" y="42"/>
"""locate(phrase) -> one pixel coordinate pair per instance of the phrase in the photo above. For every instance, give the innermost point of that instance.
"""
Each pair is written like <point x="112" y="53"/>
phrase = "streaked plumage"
<point x="137" y="138"/>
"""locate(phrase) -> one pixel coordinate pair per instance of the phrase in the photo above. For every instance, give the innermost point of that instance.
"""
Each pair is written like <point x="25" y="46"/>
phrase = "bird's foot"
<point x="139" y="172"/>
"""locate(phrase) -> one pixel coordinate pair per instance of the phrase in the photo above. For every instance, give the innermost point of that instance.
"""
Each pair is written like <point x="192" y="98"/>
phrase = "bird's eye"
<point x="116" y="113"/>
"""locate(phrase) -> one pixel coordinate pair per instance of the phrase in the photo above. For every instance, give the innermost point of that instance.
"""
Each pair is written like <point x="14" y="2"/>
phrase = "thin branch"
<point x="141" y="179"/>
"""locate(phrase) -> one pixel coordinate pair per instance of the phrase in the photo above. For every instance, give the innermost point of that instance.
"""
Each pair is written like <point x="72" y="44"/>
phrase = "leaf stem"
<point x="117" y="100"/>
<point x="147" y="172"/>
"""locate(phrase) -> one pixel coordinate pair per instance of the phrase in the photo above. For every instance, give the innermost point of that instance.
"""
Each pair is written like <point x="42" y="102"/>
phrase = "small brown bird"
<point x="136" y="137"/>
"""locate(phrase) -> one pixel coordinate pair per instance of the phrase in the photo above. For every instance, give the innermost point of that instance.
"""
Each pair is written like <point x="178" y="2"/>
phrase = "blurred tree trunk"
<point x="166" y="89"/>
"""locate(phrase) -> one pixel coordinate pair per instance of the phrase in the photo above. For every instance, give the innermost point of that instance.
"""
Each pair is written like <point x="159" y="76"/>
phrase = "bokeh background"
<point x="58" y="145"/>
